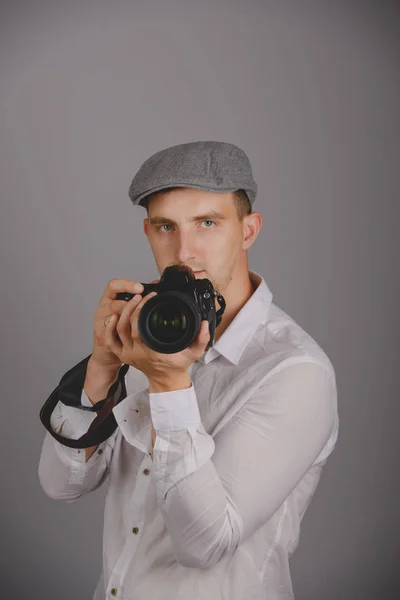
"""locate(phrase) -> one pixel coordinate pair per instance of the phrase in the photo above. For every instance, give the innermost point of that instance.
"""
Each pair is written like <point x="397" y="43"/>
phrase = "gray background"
<point x="311" y="92"/>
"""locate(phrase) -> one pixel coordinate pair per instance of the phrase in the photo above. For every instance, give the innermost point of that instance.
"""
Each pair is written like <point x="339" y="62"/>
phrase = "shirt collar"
<point x="237" y="336"/>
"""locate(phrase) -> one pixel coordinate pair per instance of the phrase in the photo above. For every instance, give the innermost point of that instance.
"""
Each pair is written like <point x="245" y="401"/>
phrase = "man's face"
<point x="197" y="228"/>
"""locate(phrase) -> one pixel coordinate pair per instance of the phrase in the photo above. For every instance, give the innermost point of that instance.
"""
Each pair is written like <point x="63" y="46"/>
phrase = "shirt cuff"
<point x="72" y="423"/>
<point x="79" y="421"/>
<point x="174" y="410"/>
<point x="85" y="400"/>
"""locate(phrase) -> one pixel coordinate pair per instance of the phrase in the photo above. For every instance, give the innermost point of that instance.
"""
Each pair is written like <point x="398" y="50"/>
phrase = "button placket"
<point x="138" y="439"/>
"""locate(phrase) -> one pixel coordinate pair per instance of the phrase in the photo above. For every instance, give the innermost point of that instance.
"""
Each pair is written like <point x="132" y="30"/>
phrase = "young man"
<point x="217" y="453"/>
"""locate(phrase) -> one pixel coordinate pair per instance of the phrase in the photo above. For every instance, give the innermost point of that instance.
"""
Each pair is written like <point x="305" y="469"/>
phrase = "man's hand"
<point x="164" y="369"/>
<point x="103" y="356"/>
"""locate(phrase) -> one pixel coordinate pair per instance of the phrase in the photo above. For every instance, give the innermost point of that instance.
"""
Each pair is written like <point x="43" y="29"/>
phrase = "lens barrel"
<point x="169" y="322"/>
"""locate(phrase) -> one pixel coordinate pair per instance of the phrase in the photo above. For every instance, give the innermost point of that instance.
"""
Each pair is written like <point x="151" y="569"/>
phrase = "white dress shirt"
<point x="213" y="512"/>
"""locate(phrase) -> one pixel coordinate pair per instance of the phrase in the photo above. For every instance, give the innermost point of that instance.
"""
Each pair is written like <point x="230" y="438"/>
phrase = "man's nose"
<point x="185" y="250"/>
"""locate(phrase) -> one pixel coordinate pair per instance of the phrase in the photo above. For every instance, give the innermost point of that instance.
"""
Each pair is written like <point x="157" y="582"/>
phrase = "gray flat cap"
<point x="211" y="166"/>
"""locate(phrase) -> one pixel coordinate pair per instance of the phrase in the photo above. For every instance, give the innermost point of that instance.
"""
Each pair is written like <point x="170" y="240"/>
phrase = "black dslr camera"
<point x="170" y="321"/>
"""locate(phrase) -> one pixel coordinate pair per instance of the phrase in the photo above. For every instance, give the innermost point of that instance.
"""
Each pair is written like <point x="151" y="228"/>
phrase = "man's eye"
<point x="160" y="227"/>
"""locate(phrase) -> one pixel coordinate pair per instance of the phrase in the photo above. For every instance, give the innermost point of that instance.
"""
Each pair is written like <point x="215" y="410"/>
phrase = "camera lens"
<point x="167" y="323"/>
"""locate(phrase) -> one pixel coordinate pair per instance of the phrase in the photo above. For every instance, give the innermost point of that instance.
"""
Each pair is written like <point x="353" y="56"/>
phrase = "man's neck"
<point x="234" y="303"/>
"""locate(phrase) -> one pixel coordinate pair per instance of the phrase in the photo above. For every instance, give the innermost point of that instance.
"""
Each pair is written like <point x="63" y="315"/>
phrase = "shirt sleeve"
<point x="214" y="493"/>
<point x="182" y="445"/>
<point x="64" y="473"/>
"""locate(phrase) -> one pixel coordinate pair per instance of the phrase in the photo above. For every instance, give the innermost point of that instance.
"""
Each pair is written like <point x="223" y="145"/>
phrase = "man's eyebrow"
<point x="206" y="217"/>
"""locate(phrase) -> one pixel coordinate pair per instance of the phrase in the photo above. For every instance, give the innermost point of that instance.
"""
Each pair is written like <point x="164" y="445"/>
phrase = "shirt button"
<point x="114" y="592"/>
<point x="100" y="451"/>
<point x="146" y="472"/>
<point x="135" y="530"/>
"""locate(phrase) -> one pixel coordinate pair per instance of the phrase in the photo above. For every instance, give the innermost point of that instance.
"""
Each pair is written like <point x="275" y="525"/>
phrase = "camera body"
<point x="170" y="322"/>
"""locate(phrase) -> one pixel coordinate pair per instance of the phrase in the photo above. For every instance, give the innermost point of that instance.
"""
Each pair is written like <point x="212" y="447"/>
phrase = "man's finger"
<point x="124" y="327"/>
<point x="201" y="341"/>
<point x="205" y="334"/>
<point x="135" y="316"/>
<point x="121" y="285"/>
<point x="109" y="336"/>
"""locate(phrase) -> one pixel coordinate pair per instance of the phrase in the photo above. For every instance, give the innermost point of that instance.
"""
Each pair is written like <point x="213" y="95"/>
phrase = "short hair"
<point x="241" y="200"/>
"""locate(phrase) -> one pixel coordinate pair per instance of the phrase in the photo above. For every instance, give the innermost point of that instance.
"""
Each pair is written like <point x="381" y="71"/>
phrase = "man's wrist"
<point x="169" y="383"/>
<point x="98" y="381"/>
<point x="105" y="371"/>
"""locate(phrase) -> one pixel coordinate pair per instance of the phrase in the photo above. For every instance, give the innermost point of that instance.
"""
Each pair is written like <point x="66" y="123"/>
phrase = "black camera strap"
<point x="69" y="392"/>
<point x="220" y="312"/>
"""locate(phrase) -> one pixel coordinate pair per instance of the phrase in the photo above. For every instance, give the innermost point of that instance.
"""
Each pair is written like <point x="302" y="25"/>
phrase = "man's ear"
<point x="252" y="224"/>
<point x="146" y="226"/>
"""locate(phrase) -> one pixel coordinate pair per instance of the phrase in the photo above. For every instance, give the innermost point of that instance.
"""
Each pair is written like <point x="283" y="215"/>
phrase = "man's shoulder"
<point x="282" y="341"/>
